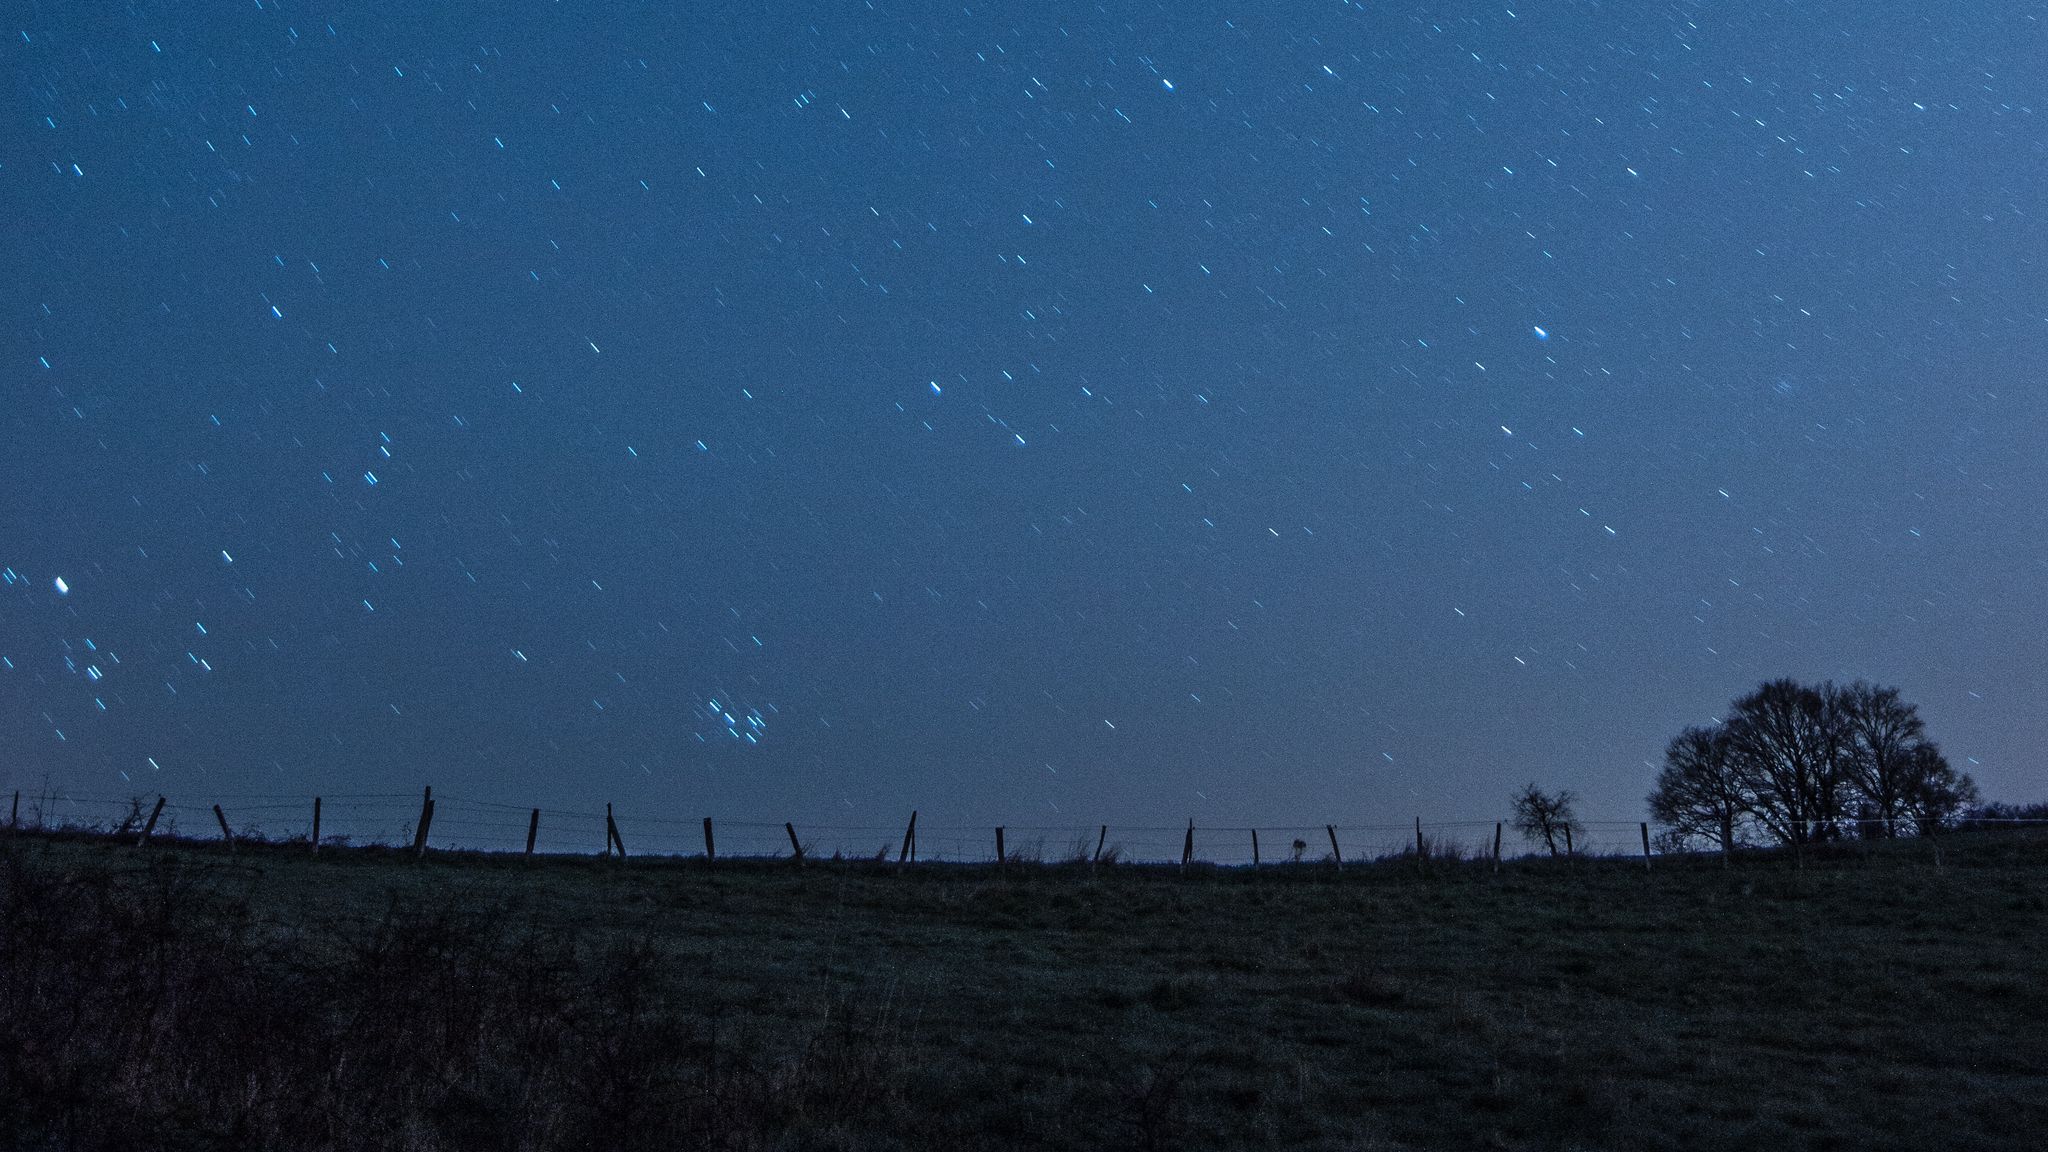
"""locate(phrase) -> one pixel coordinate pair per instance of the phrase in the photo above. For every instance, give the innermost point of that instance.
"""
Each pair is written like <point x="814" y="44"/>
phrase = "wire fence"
<point x="469" y="824"/>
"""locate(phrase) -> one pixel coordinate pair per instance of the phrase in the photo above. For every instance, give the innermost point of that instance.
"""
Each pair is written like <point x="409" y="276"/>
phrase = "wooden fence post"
<point x="315" y="841"/>
<point x="1100" y="838"/>
<point x="1421" y="850"/>
<point x="793" y="845"/>
<point x="710" y="844"/>
<point x="1568" y="851"/>
<point x="909" y="851"/>
<point x="1496" y="845"/>
<point x="611" y="828"/>
<point x="1255" y="847"/>
<point x="1187" y="848"/>
<point x="532" y="830"/>
<point x="1001" y="859"/>
<point x="224" y="833"/>
<point x="419" y="836"/>
<point x="1334" y="853"/>
<point x="1646" y="845"/>
<point x="150" y="825"/>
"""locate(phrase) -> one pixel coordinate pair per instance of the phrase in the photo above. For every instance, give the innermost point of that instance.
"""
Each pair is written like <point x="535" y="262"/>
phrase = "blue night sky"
<point x="1047" y="412"/>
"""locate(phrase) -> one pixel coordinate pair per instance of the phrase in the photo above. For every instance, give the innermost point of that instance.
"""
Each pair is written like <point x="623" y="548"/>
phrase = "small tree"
<point x="1540" y="815"/>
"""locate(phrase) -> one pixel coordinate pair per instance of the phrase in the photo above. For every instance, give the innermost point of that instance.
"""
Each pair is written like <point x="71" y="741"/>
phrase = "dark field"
<point x="180" y="997"/>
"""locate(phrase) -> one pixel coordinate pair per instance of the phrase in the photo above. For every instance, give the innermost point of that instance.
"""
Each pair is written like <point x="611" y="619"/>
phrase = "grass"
<point x="182" y="997"/>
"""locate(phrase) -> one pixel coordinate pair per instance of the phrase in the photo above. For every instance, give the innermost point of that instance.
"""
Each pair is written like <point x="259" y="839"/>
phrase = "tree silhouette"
<point x="1697" y="793"/>
<point x="1539" y="815"/>
<point x="1793" y="761"/>
<point x="1936" y="794"/>
<point x="1787" y="758"/>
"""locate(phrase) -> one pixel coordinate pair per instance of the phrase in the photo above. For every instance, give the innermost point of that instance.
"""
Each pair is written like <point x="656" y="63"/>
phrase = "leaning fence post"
<point x="314" y="841"/>
<point x="224" y="833"/>
<point x="909" y="840"/>
<point x="1334" y="853"/>
<point x="150" y="825"/>
<point x="1568" y="851"/>
<point x="710" y="846"/>
<point x="1646" y="845"/>
<point x="1496" y="845"/>
<point x="1255" y="847"/>
<point x="611" y="828"/>
<point x="1187" y="848"/>
<point x="1001" y="859"/>
<point x="532" y="830"/>
<point x="793" y="845"/>
<point x="419" y="836"/>
<point x="1100" y="838"/>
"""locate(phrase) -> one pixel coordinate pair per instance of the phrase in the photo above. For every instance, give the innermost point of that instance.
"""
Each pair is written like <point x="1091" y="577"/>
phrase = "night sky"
<point x="1041" y="413"/>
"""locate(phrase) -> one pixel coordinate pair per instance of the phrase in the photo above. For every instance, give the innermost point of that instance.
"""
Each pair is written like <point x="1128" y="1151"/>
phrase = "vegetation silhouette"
<point x="1795" y="764"/>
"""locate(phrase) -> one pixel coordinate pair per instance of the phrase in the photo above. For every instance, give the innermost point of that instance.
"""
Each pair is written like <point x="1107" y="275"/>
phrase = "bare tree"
<point x="1697" y="794"/>
<point x="1935" y="794"/>
<point x="1792" y="759"/>
<point x="1787" y="753"/>
<point x="1886" y="739"/>
<point x="1539" y="815"/>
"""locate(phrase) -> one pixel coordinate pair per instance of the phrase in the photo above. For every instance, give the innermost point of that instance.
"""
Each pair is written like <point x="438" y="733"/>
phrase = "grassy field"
<point x="180" y="997"/>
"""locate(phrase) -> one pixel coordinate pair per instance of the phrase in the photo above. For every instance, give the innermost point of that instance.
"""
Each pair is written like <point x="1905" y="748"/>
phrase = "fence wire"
<point x="466" y="823"/>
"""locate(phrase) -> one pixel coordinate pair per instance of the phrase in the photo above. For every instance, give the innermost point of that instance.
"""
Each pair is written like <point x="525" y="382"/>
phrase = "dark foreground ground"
<point x="180" y="997"/>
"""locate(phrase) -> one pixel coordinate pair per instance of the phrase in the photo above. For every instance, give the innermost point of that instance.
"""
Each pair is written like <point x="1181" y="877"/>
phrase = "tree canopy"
<point x="1793" y="763"/>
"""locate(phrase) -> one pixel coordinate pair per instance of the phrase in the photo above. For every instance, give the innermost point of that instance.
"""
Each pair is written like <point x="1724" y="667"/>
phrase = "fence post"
<point x="1187" y="848"/>
<point x="1001" y="860"/>
<point x="793" y="845"/>
<point x="710" y="845"/>
<point x="419" y="836"/>
<point x="1334" y="853"/>
<point x="1569" y="852"/>
<point x="1100" y="838"/>
<point x="316" y="825"/>
<point x="224" y="833"/>
<point x="1646" y="845"/>
<point x="150" y="825"/>
<point x="909" y="851"/>
<point x="1255" y="847"/>
<point x="611" y="828"/>
<point x="532" y="830"/>
<point x="1496" y="845"/>
<point x="1421" y="851"/>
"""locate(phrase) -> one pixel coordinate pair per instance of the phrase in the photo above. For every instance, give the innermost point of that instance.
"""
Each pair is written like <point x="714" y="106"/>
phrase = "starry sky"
<point x="1055" y="412"/>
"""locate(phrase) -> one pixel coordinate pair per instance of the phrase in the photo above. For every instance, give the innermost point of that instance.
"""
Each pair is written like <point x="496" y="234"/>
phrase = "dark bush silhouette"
<point x="2000" y="815"/>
